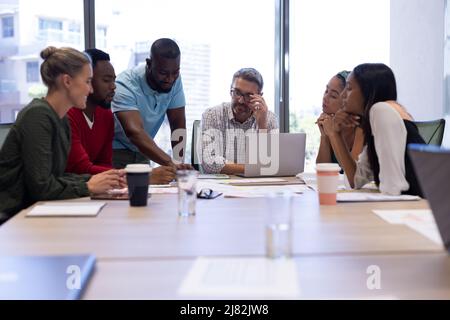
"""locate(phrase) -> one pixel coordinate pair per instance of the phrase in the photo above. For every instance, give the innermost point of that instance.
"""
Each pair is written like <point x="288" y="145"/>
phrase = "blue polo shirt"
<point x="133" y="93"/>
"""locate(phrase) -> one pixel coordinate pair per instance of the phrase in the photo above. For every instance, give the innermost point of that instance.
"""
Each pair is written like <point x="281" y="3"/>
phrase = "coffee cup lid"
<point x="138" y="168"/>
<point x="327" y="167"/>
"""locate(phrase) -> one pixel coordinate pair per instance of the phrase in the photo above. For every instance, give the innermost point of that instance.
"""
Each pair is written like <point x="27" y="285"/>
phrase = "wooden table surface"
<point x="402" y="276"/>
<point x="221" y="226"/>
<point x="145" y="253"/>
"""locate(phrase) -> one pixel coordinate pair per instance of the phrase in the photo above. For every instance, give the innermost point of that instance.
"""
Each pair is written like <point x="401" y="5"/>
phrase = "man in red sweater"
<point x="93" y="128"/>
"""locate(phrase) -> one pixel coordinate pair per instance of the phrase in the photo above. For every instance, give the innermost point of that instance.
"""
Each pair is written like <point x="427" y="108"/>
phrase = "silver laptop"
<point x="275" y="154"/>
<point x="44" y="277"/>
<point x="431" y="164"/>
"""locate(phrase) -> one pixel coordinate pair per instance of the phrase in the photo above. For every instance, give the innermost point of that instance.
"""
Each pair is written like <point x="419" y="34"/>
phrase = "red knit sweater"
<point x="91" y="149"/>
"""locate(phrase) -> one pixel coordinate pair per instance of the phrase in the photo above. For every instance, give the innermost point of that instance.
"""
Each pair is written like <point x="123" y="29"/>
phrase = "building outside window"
<point x="326" y="37"/>
<point x="51" y="30"/>
<point x="8" y="27"/>
<point x="32" y="71"/>
<point x="213" y="45"/>
<point x="100" y="36"/>
<point x="41" y="23"/>
<point x="74" y="32"/>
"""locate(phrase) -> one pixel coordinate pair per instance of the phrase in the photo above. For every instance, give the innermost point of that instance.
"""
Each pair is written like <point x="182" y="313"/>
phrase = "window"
<point x="447" y="60"/>
<point x="74" y="27"/>
<point x="32" y="71"/>
<point x="51" y="30"/>
<point x="45" y="24"/>
<point x="324" y="42"/>
<point x="73" y="35"/>
<point x="41" y="24"/>
<point x="231" y="35"/>
<point x="8" y="27"/>
<point x="100" y="36"/>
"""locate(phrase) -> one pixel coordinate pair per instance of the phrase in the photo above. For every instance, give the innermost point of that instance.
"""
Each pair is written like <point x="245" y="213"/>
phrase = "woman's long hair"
<point x="377" y="83"/>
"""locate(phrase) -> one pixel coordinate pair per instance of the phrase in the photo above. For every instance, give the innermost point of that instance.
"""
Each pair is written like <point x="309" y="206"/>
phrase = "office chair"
<point x="4" y="130"/>
<point x="195" y="144"/>
<point x="432" y="131"/>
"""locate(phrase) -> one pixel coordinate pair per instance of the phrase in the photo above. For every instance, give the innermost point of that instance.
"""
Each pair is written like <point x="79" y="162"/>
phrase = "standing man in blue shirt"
<point x="144" y="95"/>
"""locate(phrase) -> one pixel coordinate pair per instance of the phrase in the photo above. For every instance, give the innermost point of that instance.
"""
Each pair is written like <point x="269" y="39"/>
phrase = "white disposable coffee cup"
<point x="327" y="182"/>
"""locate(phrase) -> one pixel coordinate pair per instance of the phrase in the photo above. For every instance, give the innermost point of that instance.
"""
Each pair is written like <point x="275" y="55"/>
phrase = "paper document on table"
<point x="260" y="182"/>
<point x="66" y="209"/>
<point x="420" y="220"/>
<point x="162" y="190"/>
<point x="403" y="216"/>
<point x="230" y="191"/>
<point x="355" y="196"/>
<point x="310" y="179"/>
<point x="262" y="191"/>
<point x="254" y="180"/>
<point x="250" y="278"/>
<point x="213" y="176"/>
<point x="428" y="230"/>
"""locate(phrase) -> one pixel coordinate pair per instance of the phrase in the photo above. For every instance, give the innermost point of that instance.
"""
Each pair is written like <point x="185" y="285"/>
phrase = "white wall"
<point x="417" y="55"/>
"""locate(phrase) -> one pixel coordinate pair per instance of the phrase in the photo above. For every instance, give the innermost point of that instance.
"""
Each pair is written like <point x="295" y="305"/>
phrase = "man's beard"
<point x="104" y="104"/>
<point x="160" y="89"/>
<point x="155" y="83"/>
<point x="241" y="108"/>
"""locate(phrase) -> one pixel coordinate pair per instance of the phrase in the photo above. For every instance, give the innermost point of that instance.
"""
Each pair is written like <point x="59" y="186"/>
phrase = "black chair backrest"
<point x="4" y="130"/>
<point x="194" y="145"/>
<point x="432" y="131"/>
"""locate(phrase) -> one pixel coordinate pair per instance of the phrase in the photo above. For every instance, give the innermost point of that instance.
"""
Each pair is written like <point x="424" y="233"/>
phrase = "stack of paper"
<point x="66" y="209"/>
<point x="241" y="278"/>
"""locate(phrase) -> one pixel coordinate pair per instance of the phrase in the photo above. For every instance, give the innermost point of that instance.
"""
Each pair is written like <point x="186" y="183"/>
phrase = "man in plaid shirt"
<point x="225" y="126"/>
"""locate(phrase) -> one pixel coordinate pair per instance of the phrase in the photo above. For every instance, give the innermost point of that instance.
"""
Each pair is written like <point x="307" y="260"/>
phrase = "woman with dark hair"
<point x="331" y="105"/>
<point x="34" y="155"/>
<point x="369" y="100"/>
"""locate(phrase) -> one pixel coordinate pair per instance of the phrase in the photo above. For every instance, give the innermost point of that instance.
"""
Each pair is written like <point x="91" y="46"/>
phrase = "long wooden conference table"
<point x="145" y="253"/>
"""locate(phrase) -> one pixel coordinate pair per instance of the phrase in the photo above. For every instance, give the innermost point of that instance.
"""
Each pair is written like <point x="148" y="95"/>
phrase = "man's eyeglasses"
<point x="235" y="93"/>
<point x="208" y="194"/>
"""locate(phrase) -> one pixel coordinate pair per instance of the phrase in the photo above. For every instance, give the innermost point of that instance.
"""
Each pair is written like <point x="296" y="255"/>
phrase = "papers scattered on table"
<point x="67" y="209"/>
<point x="169" y="185"/>
<point x="262" y="191"/>
<point x="310" y="179"/>
<point x="263" y="182"/>
<point x="255" y="180"/>
<point x="162" y="190"/>
<point x="403" y="216"/>
<point x="231" y="191"/>
<point x="371" y="197"/>
<point x="428" y="230"/>
<point x="213" y="176"/>
<point x="239" y="278"/>
<point x="421" y="221"/>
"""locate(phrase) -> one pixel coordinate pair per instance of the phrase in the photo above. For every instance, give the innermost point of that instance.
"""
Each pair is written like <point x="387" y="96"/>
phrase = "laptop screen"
<point x="431" y="164"/>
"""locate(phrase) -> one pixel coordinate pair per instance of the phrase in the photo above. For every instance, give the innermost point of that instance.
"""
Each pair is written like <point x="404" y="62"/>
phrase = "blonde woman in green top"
<point x="34" y="155"/>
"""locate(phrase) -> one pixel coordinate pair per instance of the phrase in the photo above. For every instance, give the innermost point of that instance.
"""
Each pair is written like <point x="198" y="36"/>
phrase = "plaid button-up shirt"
<point x="223" y="137"/>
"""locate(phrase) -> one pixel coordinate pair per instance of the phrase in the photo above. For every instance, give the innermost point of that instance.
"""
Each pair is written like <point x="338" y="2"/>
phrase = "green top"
<point x="33" y="159"/>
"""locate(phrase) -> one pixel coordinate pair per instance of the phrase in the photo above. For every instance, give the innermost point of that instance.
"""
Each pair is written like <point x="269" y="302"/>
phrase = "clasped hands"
<point x="330" y="125"/>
